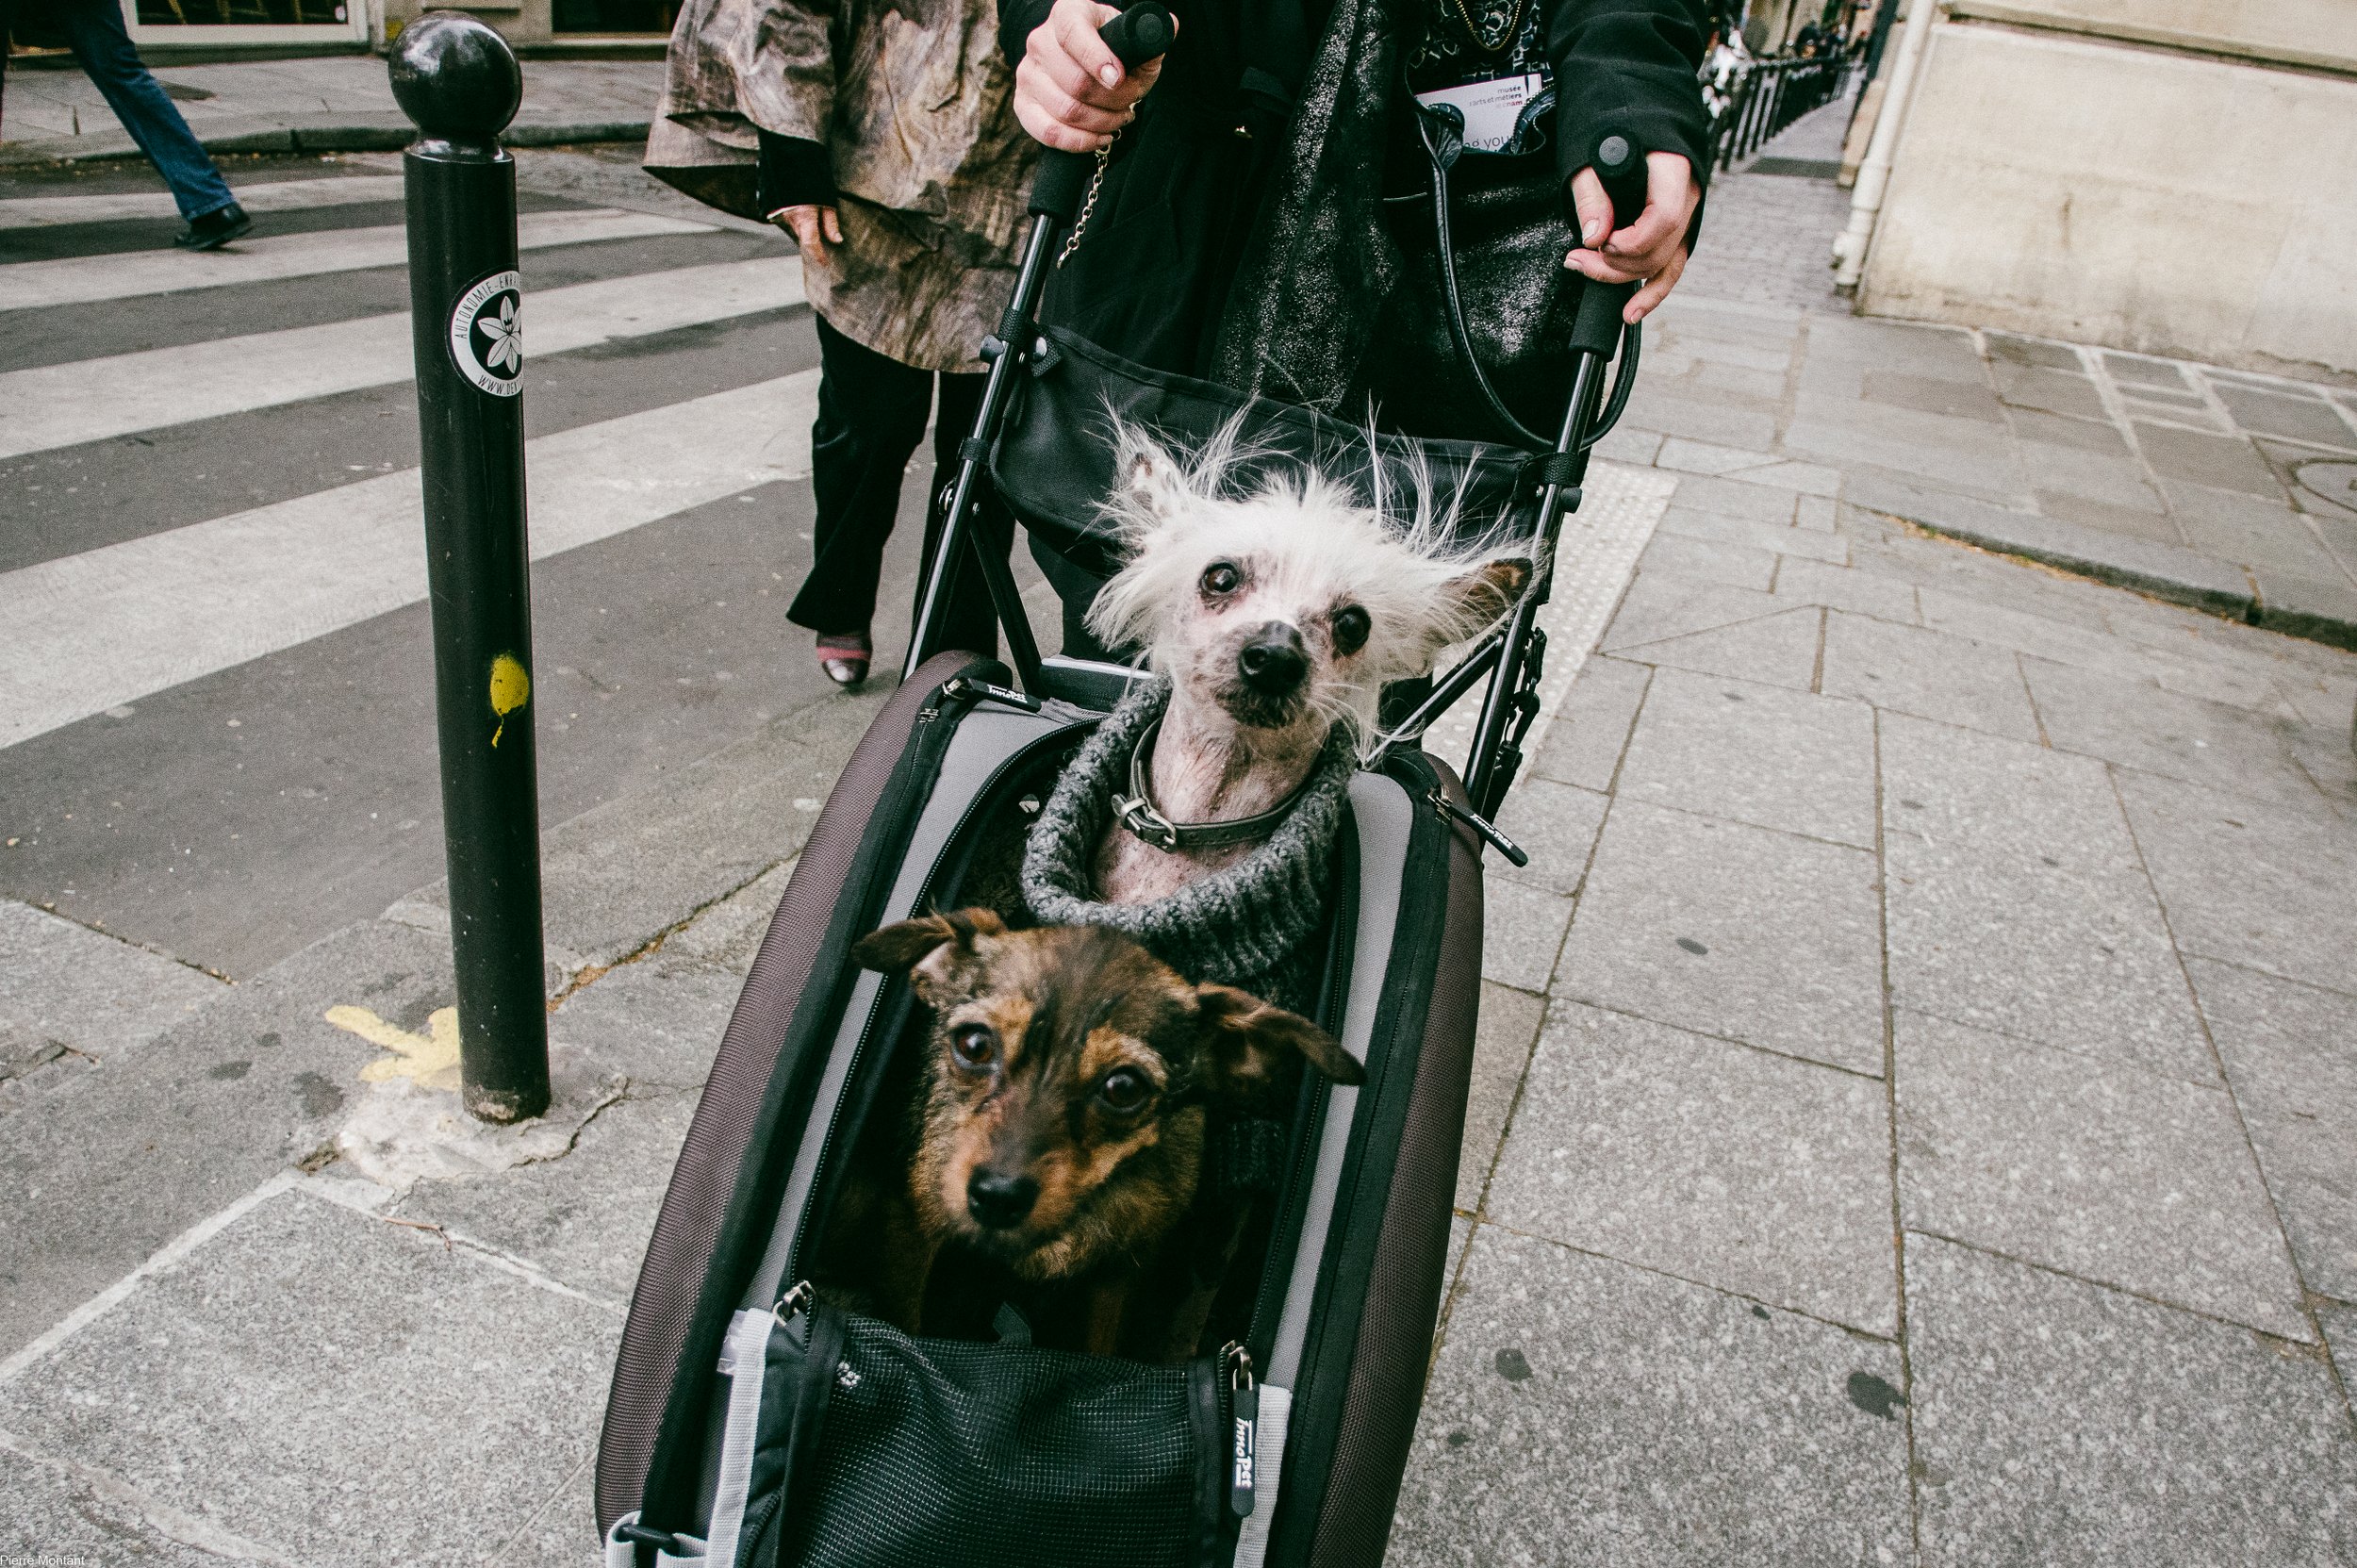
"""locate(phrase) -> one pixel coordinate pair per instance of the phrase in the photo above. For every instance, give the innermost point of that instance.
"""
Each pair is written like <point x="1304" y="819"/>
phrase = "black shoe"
<point x="210" y="231"/>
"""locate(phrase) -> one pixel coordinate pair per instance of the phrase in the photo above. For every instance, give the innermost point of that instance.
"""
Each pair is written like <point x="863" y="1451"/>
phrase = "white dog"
<point x="1278" y="613"/>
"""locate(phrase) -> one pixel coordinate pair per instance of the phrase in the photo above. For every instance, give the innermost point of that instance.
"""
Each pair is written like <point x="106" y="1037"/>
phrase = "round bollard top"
<point x="455" y="77"/>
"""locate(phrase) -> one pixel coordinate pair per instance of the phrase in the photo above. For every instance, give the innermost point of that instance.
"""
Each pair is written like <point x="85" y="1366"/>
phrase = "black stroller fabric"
<point x="1053" y="463"/>
<point x="906" y="1453"/>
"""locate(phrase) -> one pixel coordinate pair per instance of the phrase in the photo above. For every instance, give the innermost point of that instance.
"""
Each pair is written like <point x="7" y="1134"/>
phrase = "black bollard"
<point x="458" y="81"/>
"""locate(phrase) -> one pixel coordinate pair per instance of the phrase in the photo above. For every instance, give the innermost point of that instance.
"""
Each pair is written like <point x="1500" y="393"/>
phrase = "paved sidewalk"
<point x="340" y="103"/>
<point x="1914" y="1116"/>
<point x="2230" y="491"/>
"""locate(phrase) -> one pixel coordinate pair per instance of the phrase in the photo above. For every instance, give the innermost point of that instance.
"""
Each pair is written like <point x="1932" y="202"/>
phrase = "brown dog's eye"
<point x="974" y="1044"/>
<point x="1124" y="1090"/>
<point x="1351" y="625"/>
<point x="1221" y="578"/>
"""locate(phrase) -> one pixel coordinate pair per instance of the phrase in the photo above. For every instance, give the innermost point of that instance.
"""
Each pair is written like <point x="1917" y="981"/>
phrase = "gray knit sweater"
<point x="1248" y="926"/>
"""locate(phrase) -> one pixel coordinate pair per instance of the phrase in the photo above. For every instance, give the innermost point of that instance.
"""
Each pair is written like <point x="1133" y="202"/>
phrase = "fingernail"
<point x="1590" y="230"/>
<point x="1109" y="76"/>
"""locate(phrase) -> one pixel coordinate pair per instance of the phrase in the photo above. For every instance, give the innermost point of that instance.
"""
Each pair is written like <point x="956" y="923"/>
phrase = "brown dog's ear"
<point x="1488" y="591"/>
<point x="916" y="946"/>
<point x="1249" y="1039"/>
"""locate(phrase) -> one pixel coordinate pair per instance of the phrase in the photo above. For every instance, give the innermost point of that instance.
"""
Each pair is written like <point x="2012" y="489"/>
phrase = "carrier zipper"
<point x="965" y="689"/>
<point x="924" y="898"/>
<point x="1451" y="811"/>
<point x="1243" y="1407"/>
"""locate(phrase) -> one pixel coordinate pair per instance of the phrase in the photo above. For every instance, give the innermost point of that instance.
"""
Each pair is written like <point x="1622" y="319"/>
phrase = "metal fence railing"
<point x="1771" y="95"/>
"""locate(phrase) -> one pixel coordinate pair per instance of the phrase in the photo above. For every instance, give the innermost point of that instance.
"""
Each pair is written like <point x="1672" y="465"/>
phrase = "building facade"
<point x="2171" y="176"/>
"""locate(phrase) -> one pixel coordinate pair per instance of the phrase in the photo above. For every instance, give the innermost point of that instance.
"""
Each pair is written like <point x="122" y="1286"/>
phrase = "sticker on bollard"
<point x="487" y="337"/>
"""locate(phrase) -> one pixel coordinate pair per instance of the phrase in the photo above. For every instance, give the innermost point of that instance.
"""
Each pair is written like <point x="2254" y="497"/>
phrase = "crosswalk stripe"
<point x="84" y="279"/>
<point x="55" y="406"/>
<point x="111" y="625"/>
<point x="40" y="212"/>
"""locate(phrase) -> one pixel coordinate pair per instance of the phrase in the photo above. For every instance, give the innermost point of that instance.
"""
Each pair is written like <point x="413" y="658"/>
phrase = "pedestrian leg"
<point x="871" y="416"/>
<point x="100" y="42"/>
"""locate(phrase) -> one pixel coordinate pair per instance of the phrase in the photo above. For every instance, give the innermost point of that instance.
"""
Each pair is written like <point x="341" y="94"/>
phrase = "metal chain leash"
<point x="1088" y="204"/>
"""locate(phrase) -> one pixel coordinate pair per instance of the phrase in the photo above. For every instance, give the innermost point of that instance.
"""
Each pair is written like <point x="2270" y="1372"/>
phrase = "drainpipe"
<point x="1873" y="176"/>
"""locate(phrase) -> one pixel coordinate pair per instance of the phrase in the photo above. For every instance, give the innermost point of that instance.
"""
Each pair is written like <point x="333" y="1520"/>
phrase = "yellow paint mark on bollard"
<point x="430" y="1060"/>
<point x="511" y="688"/>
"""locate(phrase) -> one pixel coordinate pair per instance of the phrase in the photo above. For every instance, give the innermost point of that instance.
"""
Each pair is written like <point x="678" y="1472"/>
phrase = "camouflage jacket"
<point x="912" y="101"/>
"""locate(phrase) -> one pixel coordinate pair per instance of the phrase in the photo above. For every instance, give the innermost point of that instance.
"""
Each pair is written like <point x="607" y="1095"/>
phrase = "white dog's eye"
<point x="1351" y="625"/>
<point x="1221" y="578"/>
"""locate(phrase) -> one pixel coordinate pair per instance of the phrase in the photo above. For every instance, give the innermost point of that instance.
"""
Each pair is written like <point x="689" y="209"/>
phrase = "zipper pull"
<point x="1245" y="1402"/>
<point x="1451" y="811"/>
<point x="965" y="689"/>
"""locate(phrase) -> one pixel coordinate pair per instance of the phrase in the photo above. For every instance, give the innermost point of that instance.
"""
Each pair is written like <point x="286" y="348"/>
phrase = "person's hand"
<point x="1653" y="248"/>
<point x="814" y="229"/>
<point x="1070" y="92"/>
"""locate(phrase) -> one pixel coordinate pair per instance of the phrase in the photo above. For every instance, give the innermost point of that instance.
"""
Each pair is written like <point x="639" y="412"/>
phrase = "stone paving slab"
<point x="138" y="1150"/>
<point x="2254" y="884"/>
<point x="1929" y="674"/>
<point x="2017" y="901"/>
<point x="1556" y="824"/>
<point x="1582" y="1411"/>
<point x="1504" y="1037"/>
<point x="313" y="1364"/>
<point x="2125" y="721"/>
<point x="51" y="1513"/>
<point x="2059" y="1422"/>
<point x="2287" y="1056"/>
<point x="2111" y="1173"/>
<point x="64" y="986"/>
<point x="1781" y="647"/>
<point x="1695" y="1157"/>
<point x="1585" y="743"/>
<point x="1739" y="931"/>
<point x="1807" y="762"/>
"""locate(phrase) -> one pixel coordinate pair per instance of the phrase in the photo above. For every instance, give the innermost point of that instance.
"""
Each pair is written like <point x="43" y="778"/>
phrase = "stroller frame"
<point x="1512" y="656"/>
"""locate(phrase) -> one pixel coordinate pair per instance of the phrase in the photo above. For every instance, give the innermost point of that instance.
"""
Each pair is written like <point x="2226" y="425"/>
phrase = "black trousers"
<point x="871" y="416"/>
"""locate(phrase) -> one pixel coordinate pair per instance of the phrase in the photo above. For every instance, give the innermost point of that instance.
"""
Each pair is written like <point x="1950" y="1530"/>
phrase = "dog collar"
<point x="1136" y="811"/>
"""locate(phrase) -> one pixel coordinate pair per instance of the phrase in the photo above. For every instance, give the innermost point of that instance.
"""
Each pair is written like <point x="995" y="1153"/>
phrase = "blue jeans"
<point x="94" y="27"/>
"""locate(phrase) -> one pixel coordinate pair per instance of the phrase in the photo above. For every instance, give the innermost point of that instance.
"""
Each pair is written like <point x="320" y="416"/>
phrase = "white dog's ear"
<point x="1153" y="484"/>
<point x="1480" y="596"/>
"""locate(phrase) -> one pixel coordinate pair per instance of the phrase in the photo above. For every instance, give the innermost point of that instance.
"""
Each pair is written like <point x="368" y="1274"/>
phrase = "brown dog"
<point x="1059" y="1129"/>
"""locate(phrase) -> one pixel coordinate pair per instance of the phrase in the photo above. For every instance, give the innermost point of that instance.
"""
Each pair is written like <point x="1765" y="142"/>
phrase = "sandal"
<point x="844" y="656"/>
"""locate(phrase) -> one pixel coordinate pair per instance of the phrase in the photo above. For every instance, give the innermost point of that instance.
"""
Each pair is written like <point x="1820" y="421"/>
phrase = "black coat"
<point x="1234" y="241"/>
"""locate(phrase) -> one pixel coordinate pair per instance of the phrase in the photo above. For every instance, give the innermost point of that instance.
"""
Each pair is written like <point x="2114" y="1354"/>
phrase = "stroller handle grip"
<point x="1619" y="161"/>
<point x="1136" y="36"/>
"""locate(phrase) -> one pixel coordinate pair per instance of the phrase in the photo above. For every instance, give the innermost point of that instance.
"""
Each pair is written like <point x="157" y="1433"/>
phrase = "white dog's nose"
<point x="1273" y="661"/>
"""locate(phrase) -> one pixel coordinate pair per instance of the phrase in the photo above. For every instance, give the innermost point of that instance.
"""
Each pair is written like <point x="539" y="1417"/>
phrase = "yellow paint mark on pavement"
<point x="511" y="688"/>
<point x="430" y="1059"/>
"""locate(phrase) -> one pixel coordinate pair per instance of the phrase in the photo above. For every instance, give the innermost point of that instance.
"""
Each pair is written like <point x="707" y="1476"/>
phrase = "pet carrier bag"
<point x="751" y="1424"/>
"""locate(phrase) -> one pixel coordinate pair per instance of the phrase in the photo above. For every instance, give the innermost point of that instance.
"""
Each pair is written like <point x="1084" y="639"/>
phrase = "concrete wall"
<point x="2299" y="31"/>
<point x="2112" y="192"/>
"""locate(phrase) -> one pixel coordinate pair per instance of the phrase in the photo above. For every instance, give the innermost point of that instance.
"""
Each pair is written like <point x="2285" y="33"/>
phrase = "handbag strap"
<point x="1443" y="144"/>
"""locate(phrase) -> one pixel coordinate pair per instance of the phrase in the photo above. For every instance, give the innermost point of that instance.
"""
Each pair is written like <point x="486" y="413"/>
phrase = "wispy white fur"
<point x="1307" y="550"/>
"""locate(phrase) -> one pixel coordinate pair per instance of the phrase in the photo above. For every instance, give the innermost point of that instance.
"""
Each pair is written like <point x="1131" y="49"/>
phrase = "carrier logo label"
<point x="487" y="341"/>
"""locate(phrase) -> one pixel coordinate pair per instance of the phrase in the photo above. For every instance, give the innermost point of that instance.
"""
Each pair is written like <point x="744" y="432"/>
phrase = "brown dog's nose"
<point x="1274" y="663"/>
<point x="1000" y="1202"/>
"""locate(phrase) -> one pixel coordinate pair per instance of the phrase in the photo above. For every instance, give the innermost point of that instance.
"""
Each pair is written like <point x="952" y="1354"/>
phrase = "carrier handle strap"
<point x="1598" y="328"/>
